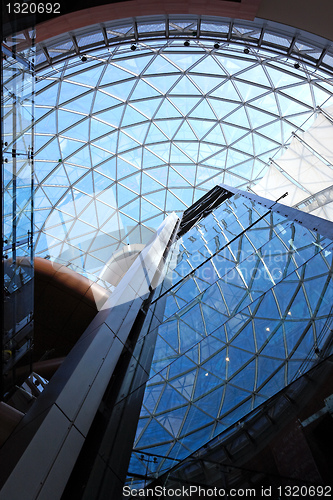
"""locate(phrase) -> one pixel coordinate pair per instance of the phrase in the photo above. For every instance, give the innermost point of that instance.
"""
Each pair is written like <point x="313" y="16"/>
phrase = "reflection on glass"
<point x="17" y="223"/>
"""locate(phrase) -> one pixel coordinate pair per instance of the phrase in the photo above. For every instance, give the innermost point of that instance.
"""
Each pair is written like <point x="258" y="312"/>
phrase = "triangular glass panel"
<point x="215" y="136"/>
<point x="185" y="133"/>
<point x="136" y="64"/>
<point x="238" y="118"/>
<point x="69" y="146"/>
<point x="108" y="141"/>
<point x="155" y="135"/>
<point x="80" y="228"/>
<point x="154" y="432"/>
<point x="221" y="107"/>
<point x="138" y="132"/>
<point x="218" y="160"/>
<point x="185" y="384"/>
<point x="160" y="174"/>
<point x="258" y="118"/>
<point x="191" y="148"/>
<point x="148" y="210"/>
<point x="194" y="420"/>
<point x="47" y="124"/>
<point x="249" y="91"/>
<point x="226" y="91"/>
<point x="172" y="420"/>
<point x="133" y="210"/>
<point x="177" y="156"/>
<point x="175" y="180"/>
<point x="204" y="173"/>
<point x="79" y="131"/>
<point x="149" y="184"/>
<point x="268" y="307"/>
<point x="207" y="150"/>
<point x="212" y="317"/>
<point x="86" y="184"/>
<point x="90" y="76"/>
<point x="161" y="150"/>
<point x="200" y="127"/>
<point x="206" y="83"/>
<point x="185" y="87"/>
<point x="274" y="385"/>
<point x="233" y="397"/>
<point x="159" y="65"/>
<point x="98" y="155"/>
<point x="256" y="74"/>
<point x="171" y="398"/>
<point x="232" y="133"/>
<point x="316" y="291"/>
<point x="162" y="83"/>
<point x="125" y="142"/>
<point x="89" y="215"/>
<point x="103" y="101"/>
<point x="244" y="144"/>
<point x="54" y="193"/>
<point x="236" y="359"/>
<point x="291" y="107"/>
<point x="266" y="367"/>
<point x="206" y="382"/>
<point x="208" y="66"/>
<point x="131" y="117"/>
<point x="184" y="61"/>
<point x="114" y="74"/>
<point x="203" y="111"/>
<point x="104" y="212"/>
<point x="276" y="347"/>
<point x="149" y="159"/>
<point x="66" y="205"/>
<point x="48" y="95"/>
<point x="147" y="108"/>
<point x="108" y="196"/>
<point x="293" y="331"/>
<point x="51" y="152"/>
<point x="81" y="104"/>
<point x="305" y="347"/>
<point x="143" y="90"/>
<point x="245" y="339"/>
<point x="57" y="178"/>
<point x="211" y="403"/>
<point x="169" y="127"/>
<point x="120" y="90"/>
<point x="108" y="168"/>
<point x="76" y="172"/>
<point x="124" y="169"/>
<point x="98" y="128"/>
<point x="184" y="194"/>
<point x="133" y="182"/>
<point x="112" y="116"/>
<point x="243" y="380"/>
<point x="268" y="103"/>
<point x="184" y="104"/>
<point x="133" y="157"/>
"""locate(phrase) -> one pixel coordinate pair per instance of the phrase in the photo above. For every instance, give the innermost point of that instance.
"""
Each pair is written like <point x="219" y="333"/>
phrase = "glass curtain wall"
<point x="17" y="210"/>
<point x="246" y="305"/>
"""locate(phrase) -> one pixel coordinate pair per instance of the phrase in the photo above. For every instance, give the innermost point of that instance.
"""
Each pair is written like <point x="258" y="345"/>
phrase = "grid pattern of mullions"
<point x="234" y="333"/>
<point x="126" y="137"/>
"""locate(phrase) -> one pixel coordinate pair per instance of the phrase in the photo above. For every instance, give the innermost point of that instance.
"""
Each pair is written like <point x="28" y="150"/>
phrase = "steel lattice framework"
<point x="125" y="136"/>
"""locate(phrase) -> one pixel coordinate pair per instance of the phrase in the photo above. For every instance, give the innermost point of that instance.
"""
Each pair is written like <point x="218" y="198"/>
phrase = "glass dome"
<point x="129" y="134"/>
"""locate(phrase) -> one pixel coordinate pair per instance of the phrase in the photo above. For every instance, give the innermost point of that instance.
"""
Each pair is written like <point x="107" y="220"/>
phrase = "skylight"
<point x="128" y="136"/>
